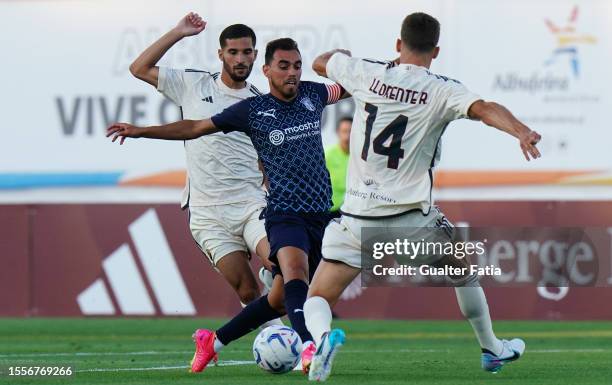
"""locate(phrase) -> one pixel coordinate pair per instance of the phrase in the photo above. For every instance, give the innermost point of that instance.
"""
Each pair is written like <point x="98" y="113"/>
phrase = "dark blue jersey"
<point x="287" y="137"/>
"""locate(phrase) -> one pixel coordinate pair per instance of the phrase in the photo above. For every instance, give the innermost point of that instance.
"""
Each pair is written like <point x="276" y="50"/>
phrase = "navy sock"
<point x="295" y="296"/>
<point x="250" y="318"/>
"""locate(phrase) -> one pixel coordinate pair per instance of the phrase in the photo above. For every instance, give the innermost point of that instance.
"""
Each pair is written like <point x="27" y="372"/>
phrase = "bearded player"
<point x="285" y="129"/>
<point x="223" y="192"/>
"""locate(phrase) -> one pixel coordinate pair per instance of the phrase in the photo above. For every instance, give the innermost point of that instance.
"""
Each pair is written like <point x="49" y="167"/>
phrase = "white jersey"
<point x="401" y="112"/>
<point x="221" y="168"/>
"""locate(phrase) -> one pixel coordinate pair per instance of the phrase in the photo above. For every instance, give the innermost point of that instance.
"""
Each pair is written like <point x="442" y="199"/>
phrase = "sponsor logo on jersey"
<point x="306" y="102"/>
<point x="303" y="127"/>
<point x="271" y="112"/>
<point x="208" y="99"/>
<point x="277" y="137"/>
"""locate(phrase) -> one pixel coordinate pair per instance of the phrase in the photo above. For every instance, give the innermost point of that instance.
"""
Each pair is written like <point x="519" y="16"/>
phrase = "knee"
<point x="248" y="293"/>
<point x="295" y="270"/>
<point x="277" y="302"/>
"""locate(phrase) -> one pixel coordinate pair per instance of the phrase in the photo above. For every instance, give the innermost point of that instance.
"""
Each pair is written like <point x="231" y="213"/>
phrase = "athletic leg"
<point x="255" y="314"/>
<point x="236" y="270"/>
<point x="330" y="280"/>
<point x="473" y="304"/>
<point x="293" y="263"/>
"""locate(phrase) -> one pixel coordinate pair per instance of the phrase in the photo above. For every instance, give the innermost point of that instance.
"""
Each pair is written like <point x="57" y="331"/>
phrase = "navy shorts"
<point x="304" y="231"/>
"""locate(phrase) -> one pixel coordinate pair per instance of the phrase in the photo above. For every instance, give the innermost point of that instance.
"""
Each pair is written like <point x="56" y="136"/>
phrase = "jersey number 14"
<point x="394" y="130"/>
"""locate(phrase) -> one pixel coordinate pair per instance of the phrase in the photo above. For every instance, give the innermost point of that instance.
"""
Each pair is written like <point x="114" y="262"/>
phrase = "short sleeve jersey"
<point x="401" y="112"/>
<point x="287" y="137"/>
<point x="221" y="168"/>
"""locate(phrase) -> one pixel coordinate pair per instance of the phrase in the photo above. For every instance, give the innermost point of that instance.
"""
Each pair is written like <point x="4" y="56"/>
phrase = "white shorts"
<point x="342" y="240"/>
<point x="220" y="230"/>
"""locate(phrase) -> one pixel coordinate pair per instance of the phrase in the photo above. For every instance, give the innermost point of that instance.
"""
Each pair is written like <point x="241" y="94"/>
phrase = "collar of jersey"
<point x="230" y="91"/>
<point x="404" y="65"/>
<point x="284" y="102"/>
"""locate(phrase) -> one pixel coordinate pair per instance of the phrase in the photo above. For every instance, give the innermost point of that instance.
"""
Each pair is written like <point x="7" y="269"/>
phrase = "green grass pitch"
<point x="157" y="351"/>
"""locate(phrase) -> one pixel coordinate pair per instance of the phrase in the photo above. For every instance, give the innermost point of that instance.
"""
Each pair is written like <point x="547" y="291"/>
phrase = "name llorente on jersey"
<point x="271" y="112"/>
<point x="402" y="95"/>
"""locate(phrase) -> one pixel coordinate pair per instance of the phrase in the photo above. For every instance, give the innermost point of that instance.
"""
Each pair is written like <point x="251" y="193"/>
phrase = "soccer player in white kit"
<point x="401" y="111"/>
<point x="223" y="191"/>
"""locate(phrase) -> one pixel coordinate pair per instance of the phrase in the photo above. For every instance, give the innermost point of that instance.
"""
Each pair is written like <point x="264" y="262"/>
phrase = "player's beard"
<point x="231" y="71"/>
<point x="288" y="93"/>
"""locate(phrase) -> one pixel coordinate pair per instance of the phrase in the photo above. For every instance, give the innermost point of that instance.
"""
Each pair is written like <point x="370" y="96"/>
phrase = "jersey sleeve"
<point x="347" y="71"/>
<point x="234" y="118"/>
<point x="458" y="100"/>
<point x="171" y="83"/>
<point x="329" y="93"/>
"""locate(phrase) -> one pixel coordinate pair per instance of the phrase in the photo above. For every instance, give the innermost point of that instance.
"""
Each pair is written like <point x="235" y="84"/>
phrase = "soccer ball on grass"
<point x="277" y="349"/>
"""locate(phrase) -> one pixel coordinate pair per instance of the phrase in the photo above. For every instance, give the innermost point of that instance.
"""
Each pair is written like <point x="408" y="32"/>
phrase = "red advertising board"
<point x="140" y="260"/>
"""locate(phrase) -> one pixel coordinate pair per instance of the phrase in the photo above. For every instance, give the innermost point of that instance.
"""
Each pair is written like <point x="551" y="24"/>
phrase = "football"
<point x="277" y="349"/>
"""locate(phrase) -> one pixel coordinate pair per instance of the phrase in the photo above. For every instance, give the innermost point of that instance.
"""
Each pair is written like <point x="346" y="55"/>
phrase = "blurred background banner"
<point x="65" y="79"/>
<point x="139" y="260"/>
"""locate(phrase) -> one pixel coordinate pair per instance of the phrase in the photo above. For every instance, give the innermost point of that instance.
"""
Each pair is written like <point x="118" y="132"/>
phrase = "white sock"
<point x="473" y="304"/>
<point x="275" y="321"/>
<point x="217" y="345"/>
<point x="318" y="316"/>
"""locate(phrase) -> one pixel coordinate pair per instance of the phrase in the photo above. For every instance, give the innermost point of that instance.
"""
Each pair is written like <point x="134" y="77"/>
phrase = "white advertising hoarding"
<point x="65" y="77"/>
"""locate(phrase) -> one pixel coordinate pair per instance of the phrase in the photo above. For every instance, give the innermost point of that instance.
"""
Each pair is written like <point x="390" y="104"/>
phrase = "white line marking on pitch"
<point x="569" y="351"/>
<point x="547" y="351"/>
<point x="77" y="354"/>
<point x="189" y="352"/>
<point x="221" y="363"/>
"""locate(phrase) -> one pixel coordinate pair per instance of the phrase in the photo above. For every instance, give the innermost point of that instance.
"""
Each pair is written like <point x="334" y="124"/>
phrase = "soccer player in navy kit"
<point x="285" y="128"/>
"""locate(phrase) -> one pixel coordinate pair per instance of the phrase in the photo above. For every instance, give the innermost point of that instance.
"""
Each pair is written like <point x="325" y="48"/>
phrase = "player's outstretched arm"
<point x="181" y="130"/>
<point x="500" y="117"/>
<point x="145" y="68"/>
<point x="320" y="63"/>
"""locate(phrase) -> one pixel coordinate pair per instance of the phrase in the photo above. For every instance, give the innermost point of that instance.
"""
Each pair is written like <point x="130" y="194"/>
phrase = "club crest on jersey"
<point x="306" y="102"/>
<point x="277" y="137"/>
<point x="271" y="112"/>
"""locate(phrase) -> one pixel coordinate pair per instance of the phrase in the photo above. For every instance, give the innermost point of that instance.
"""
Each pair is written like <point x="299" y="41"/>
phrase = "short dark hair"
<point x="236" y="31"/>
<point x="420" y="32"/>
<point x="344" y="119"/>
<point x="284" y="44"/>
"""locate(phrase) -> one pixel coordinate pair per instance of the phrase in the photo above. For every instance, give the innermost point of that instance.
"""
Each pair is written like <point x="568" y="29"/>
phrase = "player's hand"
<point x="528" y="142"/>
<point x="190" y="25"/>
<point x="123" y="131"/>
<point x="344" y="51"/>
